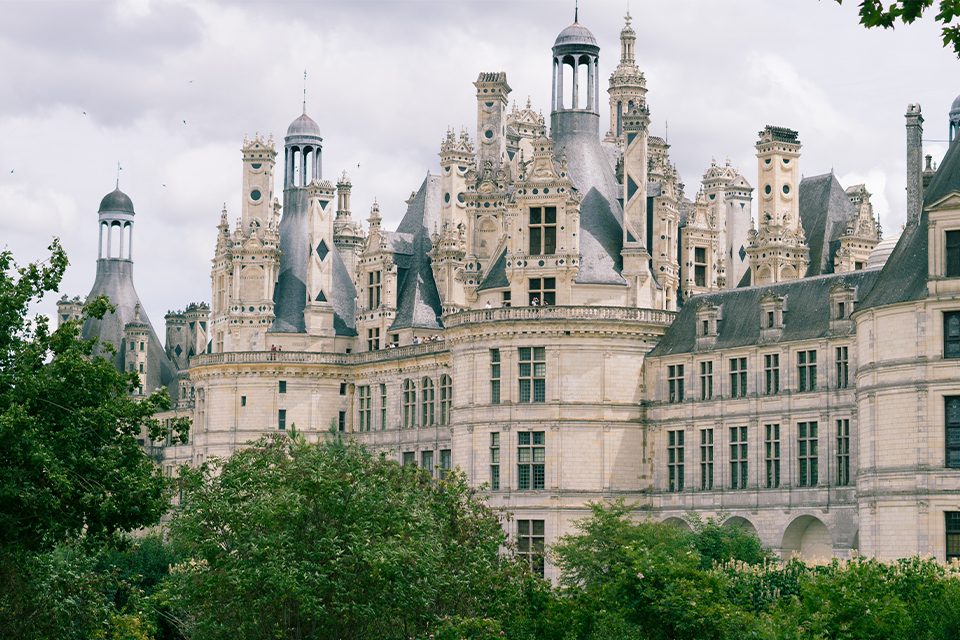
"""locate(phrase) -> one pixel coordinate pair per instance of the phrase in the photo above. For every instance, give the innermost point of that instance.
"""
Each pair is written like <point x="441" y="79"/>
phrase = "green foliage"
<point x="329" y="541"/>
<point x="71" y="463"/>
<point x="877" y="13"/>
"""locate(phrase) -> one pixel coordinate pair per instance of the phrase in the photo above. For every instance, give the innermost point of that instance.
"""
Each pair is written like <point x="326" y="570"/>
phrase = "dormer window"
<point x="708" y="317"/>
<point x="841" y="303"/>
<point x="772" y="307"/>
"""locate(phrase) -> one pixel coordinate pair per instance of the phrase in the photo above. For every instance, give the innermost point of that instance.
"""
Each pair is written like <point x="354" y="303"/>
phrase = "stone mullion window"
<point x="427" y="406"/>
<point x="495" y="461"/>
<point x="951" y="334"/>
<point x="843" y="366"/>
<point x="542" y="291"/>
<point x="530" y="544"/>
<point x="543" y="231"/>
<point x="706" y="459"/>
<point x="738" y="458"/>
<point x="446" y="399"/>
<point x="426" y="461"/>
<point x="364" y="402"/>
<point x="843" y="452"/>
<point x="771" y="373"/>
<point x="446" y="463"/>
<point x="532" y="374"/>
<point x="951" y="406"/>
<point x="808" y="454"/>
<point x="531" y="460"/>
<point x="675" y="461"/>
<point x="383" y="406"/>
<point x="952" y="534"/>
<point x="495" y="376"/>
<point x="738" y="377"/>
<point x="771" y="455"/>
<point x="409" y="404"/>
<point x="374" y="289"/>
<point x="700" y="266"/>
<point x="675" y="382"/>
<point x="952" y="243"/>
<point x="706" y="380"/>
<point x="807" y="370"/>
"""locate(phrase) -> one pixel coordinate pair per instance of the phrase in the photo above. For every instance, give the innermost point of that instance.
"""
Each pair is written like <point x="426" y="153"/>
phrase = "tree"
<point x="331" y="541"/>
<point x="875" y="13"/>
<point x="70" y="462"/>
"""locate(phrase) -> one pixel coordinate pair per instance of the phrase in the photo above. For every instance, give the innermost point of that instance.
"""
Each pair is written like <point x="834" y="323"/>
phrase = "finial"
<point x="119" y="169"/>
<point x="576" y="11"/>
<point x="304" y="92"/>
<point x="528" y="102"/>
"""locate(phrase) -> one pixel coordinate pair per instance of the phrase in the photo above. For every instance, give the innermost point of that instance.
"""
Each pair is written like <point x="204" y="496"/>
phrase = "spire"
<point x="576" y="11"/>
<point x="304" y="92"/>
<point x="119" y="169"/>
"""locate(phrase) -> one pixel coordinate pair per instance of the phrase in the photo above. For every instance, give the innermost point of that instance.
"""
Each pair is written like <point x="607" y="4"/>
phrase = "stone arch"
<point x="486" y="237"/>
<point x="764" y="275"/>
<point x="808" y="538"/>
<point x="677" y="523"/>
<point x="788" y="273"/>
<point x="738" y="522"/>
<point x="251" y="283"/>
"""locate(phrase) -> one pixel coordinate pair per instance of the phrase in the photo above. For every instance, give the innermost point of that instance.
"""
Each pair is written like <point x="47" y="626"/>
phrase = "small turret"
<point x="348" y="235"/>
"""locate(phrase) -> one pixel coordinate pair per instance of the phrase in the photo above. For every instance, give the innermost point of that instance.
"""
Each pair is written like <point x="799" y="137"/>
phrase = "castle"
<point x="557" y="318"/>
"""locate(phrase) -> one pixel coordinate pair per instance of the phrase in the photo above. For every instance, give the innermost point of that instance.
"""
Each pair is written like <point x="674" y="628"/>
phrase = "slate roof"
<point x="807" y="314"/>
<point x="824" y="212"/>
<point x="115" y="281"/>
<point x="904" y="276"/>
<point x="496" y="277"/>
<point x="601" y="215"/>
<point x="418" y="301"/>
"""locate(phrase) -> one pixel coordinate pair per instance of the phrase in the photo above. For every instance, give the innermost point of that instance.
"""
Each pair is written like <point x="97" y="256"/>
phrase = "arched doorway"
<point x="808" y="538"/>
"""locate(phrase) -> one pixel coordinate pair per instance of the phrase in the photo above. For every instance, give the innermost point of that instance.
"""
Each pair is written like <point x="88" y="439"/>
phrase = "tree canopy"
<point x="877" y="13"/>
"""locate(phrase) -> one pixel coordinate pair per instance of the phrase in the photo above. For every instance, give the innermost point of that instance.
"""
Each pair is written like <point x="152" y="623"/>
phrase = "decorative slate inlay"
<point x="324" y="203"/>
<point x="322" y="250"/>
<point x="178" y="350"/>
<point x="742" y="253"/>
<point x="321" y="297"/>
<point x="631" y="187"/>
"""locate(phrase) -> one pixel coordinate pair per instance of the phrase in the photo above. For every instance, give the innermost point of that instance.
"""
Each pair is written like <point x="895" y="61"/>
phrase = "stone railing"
<point x="306" y="357"/>
<point x="563" y="313"/>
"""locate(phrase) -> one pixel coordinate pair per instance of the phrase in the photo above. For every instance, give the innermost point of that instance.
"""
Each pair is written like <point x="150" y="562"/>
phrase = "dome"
<point x="955" y="107"/>
<point x="116" y="200"/>
<point x="878" y="257"/>
<point x="575" y="34"/>
<point x="303" y="126"/>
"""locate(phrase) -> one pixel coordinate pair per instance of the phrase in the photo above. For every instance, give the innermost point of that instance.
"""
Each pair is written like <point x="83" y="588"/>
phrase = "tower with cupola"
<point x="628" y="87"/>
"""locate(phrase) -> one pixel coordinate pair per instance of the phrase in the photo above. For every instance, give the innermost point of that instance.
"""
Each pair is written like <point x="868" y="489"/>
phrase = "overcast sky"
<point x="170" y="88"/>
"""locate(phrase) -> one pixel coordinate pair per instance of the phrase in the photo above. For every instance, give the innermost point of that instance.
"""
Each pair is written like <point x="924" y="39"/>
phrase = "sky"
<point x="168" y="89"/>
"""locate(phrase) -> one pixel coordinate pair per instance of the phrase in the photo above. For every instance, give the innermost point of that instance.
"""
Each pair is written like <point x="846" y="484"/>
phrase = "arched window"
<point x="409" y="404"/>
<point x="446" y="399"/>
<point x="426" y="403"/>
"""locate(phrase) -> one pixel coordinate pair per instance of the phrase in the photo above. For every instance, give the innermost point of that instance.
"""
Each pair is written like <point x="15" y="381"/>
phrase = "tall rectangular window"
<point x="533" y="374"/>
<point x="530" y="544"/>
<point x="675" y="460"/>
<point x="706" y="380"/>
<point x="843" y="452"/>
<point x="675" y="382"/>
<point x="427" y="404"/>
<point x="953" y="254"/>
<point x="542" y="291"/>
<point x="531" y="457"/>
<point x="446" y="463"/>
<point x="951" y="334"/>
<point x="952" y="419"/>
<point x="495" y="461"/>
<point x="383" y="406"/>
<point x="543" y="231"/>
<point x="446" y="399"/>
<point x="426" y="461"/>
<point x="706" y="459"/>
<point x="282" y="386"/>
<point x="409" y="459"/>
<point x="738" y="457"/>
<point x="806" y="370"/>
<point x="409" y="404"/>
<point x="738" y="377"/>
<point x="373" y="339"/>
<point x="700" y="266"/>
<point x="341" y="421"/>
<point x="771" y="373"/>
<point x="366" y="411"/>
<point x="953" y="534"/>
<point x="374" y="287"/>
<point x="494" y="376"/>
<point x="771" y="454"/>
<point x="843" y="366"/>
<point x="282" y="419"/>
<point x="807" y="453"/>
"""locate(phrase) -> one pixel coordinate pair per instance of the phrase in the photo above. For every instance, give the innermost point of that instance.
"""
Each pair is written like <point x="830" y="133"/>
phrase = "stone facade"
<point x="557" y="319"/>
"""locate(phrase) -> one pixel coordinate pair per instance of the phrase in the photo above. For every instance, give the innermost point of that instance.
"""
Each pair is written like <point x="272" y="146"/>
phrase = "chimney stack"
<point x="914" y="163"/>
